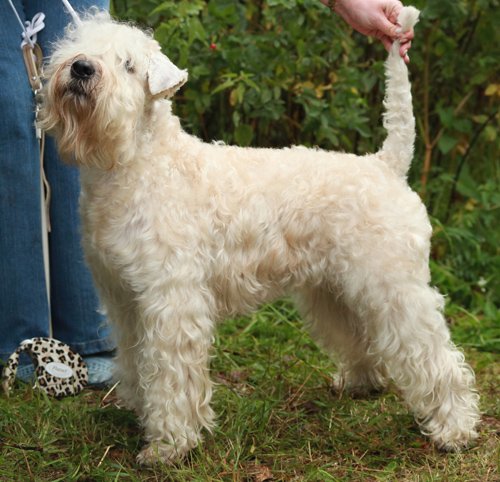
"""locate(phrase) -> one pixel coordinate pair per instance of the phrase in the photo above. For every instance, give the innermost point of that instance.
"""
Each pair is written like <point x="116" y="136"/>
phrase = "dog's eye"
<point x="129" y="67"/>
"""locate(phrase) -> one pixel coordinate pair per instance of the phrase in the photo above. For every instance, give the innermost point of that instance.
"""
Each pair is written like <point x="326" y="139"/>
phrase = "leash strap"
<point x="72" y="12"/>
<point x="33" y="58"/>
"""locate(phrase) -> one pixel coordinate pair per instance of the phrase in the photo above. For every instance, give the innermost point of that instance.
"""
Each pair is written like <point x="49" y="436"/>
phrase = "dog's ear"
<point x="164" y="78"/>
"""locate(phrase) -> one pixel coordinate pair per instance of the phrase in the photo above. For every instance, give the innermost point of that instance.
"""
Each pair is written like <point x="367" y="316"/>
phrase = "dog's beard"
<point x="80" y="89"/>
<point x="70" y="112"/>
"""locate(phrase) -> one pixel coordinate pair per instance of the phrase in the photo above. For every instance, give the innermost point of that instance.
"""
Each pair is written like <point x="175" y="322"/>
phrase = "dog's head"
<point x="102" y="80"/>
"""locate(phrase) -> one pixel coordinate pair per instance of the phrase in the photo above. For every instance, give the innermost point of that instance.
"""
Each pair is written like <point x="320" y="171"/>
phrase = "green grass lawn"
<point x="278" y="420"/>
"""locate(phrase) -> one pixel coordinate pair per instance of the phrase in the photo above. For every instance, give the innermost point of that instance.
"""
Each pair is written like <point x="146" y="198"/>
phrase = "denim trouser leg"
<point x="23" y="303"/>
<point x="23" y="297"/>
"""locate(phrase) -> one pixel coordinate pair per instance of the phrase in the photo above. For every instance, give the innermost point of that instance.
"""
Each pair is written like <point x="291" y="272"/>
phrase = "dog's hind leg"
<point x="173" y="367"/>
<point x="408" y="331"/>
<point x="342" y="334"/>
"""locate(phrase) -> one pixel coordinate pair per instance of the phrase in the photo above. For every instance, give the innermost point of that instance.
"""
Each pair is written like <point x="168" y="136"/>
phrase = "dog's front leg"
<point x="173" y="369"/>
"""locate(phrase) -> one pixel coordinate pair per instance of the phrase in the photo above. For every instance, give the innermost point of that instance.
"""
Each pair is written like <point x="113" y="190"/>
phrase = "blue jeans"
<point x="24" y="308"/>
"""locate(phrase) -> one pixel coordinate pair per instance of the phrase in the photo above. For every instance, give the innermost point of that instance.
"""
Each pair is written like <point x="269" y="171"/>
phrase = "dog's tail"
<point x="397" y="150"/>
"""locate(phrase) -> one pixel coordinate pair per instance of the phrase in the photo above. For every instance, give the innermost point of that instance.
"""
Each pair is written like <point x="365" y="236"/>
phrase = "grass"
<point x="278" y="420"/>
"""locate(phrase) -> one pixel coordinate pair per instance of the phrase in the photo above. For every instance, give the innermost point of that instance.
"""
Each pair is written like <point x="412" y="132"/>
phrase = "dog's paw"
<point x="452" y="426"/>
<point x="457" y="443"/>
<point x="160" y="452"/>
<point x="452" y="438"/>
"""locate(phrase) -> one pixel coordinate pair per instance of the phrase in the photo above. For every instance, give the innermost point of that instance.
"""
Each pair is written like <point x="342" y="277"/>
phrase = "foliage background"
<point x="281" y="72"/>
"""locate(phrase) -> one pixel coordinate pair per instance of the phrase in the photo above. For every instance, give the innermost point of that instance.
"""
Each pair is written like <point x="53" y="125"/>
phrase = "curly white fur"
<point x="181" y="234"/>
<point x="397" y="150"/>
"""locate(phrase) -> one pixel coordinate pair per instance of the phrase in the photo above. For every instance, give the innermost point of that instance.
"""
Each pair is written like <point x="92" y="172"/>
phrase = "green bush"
<point x="281" y="72"/>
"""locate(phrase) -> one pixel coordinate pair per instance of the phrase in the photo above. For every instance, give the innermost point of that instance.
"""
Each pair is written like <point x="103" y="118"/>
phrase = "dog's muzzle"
<point x="82" y="70"/>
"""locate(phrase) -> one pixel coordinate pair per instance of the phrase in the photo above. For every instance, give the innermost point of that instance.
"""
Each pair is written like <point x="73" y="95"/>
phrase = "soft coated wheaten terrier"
<point x="180" y="234"/>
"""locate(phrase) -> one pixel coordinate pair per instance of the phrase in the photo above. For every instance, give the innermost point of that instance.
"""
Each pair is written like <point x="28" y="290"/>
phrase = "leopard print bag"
<point x="59" y="371"/>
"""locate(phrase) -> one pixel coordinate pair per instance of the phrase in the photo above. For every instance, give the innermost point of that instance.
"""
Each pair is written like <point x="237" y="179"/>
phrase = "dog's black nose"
<point x="82" y="70"/>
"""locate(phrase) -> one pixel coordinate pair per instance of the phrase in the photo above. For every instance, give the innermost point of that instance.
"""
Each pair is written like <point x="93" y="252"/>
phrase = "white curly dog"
<point x="180" y="234"/>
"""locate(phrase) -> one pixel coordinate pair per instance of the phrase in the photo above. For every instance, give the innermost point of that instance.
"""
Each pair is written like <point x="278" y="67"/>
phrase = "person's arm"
<point x="375" y="18"/>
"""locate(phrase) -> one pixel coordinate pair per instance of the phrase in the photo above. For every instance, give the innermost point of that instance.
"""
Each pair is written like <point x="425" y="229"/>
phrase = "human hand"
<point x="376" y="18"/>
